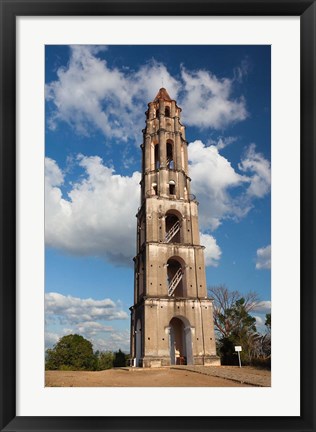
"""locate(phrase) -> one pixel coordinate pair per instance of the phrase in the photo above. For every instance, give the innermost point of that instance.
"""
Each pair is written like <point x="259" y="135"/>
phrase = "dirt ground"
<point x="128" y="377"/>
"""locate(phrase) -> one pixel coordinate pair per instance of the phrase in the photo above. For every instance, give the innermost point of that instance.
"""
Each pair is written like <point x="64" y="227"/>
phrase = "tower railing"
<point x="175" y="281"/>
<point x="170" y="162"/>
<point x="173" y="231"/>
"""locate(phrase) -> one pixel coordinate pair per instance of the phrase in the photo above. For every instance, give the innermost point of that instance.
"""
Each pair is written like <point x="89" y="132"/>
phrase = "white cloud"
<point x="264" y="258"/>
<point x="212" y="252"/>
<point x="102" y="340"/>
<point x="222" y="191"/>
<point x="75" y="310"/>
<point x="148" y="80"/>
<point x="88" y="317"/>
<point x="223" y="142"/>
<point x="263" y="307"/>
<point x="207" y="100"/>
<point x="241" y="71"/>
<point x="90" y="95"/>
<point x="51" y="339"/>
<point x="92" y="328"/>
<point x="213" y="177"/>
<point x="261" y="172"/>
<point x="113" y="341"/>
<point x="259" y="320"/>
<point x="259" y="312"/>
<point x="53" y="174"/>
<point x="98" y="218"/>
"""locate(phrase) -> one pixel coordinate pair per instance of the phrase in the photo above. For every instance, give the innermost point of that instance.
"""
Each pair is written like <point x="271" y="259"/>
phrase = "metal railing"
<point x="173" y="231"/>
<point x="175" y="282"/>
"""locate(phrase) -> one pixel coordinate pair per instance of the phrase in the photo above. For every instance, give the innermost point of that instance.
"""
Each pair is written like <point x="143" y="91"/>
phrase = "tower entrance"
<point x="180" y="342"/>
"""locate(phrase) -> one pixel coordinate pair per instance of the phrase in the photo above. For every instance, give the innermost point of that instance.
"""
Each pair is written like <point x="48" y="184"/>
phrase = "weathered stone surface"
<point x="172" y="318"/>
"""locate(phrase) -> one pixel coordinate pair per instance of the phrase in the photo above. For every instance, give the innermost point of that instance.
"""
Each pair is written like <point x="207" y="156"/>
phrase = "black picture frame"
<point x="10" y="9"/>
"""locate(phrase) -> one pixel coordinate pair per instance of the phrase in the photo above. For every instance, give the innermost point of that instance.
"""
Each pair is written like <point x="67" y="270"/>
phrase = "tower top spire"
<point x="162" y="94"/>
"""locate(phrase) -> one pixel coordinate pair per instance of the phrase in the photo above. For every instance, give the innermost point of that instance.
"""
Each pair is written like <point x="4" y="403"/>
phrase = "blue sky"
<point x="96" y="97"/>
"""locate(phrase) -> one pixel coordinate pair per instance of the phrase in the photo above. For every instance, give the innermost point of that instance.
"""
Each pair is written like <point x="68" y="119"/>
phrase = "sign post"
<point x="238" y="349"/>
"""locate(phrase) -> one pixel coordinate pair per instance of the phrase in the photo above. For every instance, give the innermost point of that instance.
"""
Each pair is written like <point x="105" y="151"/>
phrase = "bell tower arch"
<point x="172" y="318"/>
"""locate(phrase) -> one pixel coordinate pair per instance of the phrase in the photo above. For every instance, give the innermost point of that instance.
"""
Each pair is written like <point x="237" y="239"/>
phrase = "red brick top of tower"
<point x="163" y="94"/>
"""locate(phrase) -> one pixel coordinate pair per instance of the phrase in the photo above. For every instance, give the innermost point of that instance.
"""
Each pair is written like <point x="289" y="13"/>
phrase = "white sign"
<point x="238" y="348"/>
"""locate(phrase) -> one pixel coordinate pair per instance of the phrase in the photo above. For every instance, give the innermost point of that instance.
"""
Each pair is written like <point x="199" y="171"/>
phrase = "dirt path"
<point x="129" y="377"/>
<point x="244" y="375"/>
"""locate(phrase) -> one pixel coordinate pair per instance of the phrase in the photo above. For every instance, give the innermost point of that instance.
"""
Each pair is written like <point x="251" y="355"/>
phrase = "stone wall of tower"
<point x="155" y="314"/>
<point x="166" y="314"/>
<point x="152" y="229"/>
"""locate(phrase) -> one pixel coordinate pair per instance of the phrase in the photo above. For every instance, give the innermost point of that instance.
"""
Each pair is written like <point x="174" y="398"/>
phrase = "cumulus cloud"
<point x="207" y="101"/>
<point x="261" y="172"/>
<point x="51" y="338"/>
<point x="102" y="340"/>
<point x="213" y="178"/>
<point x="113" y="341"/>
<point x="89" y="94"/>
<point x="212" y="252"/>
<point x="88" y="317"/>
<point x="264" y="258"/>
<point x="92" y="327"/>
<point x="75" y="310"/>
<point x="98" y="216"/>
<point x="222" y="191"/>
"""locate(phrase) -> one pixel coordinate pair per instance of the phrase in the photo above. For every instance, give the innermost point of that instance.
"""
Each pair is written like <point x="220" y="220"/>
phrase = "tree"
<point x="105" y="360"/>
<point x="268" y="322"/>
<point x="261" y="347"/>
<point x="72" y="352"/>
<point x="119" y="359"/>
<point x="227" y="320"/>
<point x="233" y="323"/>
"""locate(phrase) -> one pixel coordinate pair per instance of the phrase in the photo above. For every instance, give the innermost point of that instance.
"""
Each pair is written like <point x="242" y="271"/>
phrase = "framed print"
<point x="77" y="55"/>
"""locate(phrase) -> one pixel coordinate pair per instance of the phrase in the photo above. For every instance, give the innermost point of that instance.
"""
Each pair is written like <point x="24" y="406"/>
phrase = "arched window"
<point x="173" y="228"/>
<point x="175" y="277"/>
<point x="167" y="111"/>
<point x="170" y="161"/>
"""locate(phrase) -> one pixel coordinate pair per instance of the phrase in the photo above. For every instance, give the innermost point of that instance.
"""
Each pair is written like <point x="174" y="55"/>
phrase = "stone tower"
<point x="172" y="318"/>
